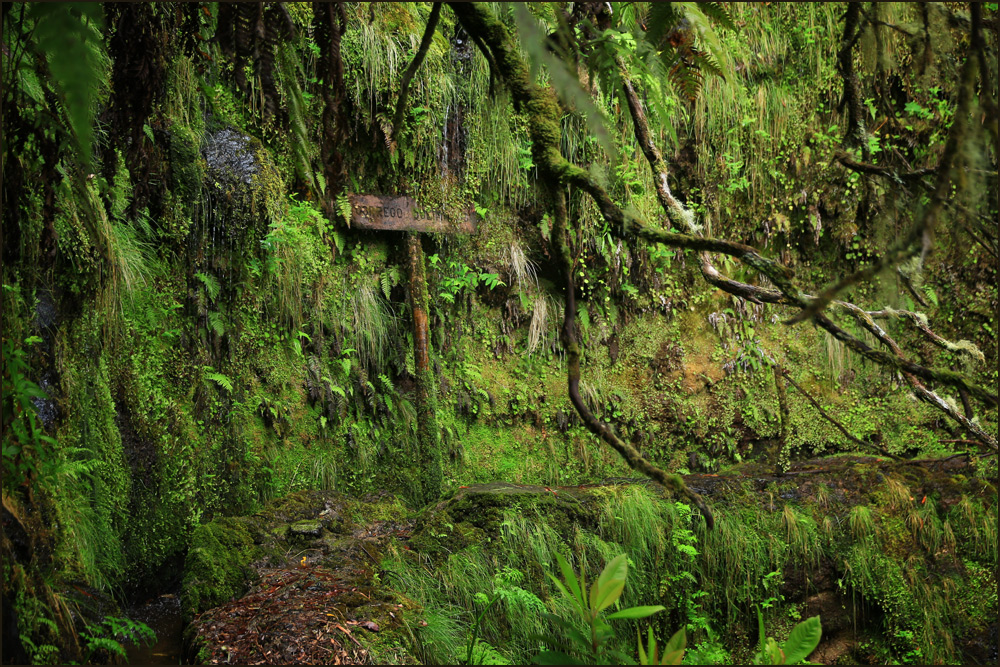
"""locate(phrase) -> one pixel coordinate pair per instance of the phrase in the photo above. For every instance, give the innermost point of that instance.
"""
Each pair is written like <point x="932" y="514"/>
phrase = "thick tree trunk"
<point x="426" y="399"/>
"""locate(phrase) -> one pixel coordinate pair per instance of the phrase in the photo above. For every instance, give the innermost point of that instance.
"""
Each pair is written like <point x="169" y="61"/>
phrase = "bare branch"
<point x="866" y="321"/>
<point x="920" y="322"/>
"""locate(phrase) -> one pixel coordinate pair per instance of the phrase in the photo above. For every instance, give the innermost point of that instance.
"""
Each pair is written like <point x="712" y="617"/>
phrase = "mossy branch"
<point x="919" y="321"/>
<point x="418" y="59"/>
<point x="631" y="455"/>
<point x="923" y="230"/>
<point x="855" y="134"/>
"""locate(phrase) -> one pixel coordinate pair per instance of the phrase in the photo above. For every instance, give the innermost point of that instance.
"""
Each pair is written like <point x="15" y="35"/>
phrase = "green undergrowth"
<point x="214" y="340"/>
<point x="911" y="566"/>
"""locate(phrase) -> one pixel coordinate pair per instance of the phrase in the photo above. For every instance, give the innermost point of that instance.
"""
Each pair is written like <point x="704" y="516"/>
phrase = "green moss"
<point x="92" y="508"/>
<point x="217" y="567"/>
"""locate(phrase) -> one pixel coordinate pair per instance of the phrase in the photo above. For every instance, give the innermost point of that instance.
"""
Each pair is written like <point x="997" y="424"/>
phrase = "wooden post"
<point x="778" y="459"/>
<point x="426" y="398"/>
<point x="395" y="214"/>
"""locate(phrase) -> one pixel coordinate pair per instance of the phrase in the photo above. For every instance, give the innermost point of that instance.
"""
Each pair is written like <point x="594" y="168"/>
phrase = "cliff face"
<point x="192" y="327"/>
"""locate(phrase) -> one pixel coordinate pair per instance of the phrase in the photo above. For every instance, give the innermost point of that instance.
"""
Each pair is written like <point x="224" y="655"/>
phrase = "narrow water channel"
<point x="163" y="615"/>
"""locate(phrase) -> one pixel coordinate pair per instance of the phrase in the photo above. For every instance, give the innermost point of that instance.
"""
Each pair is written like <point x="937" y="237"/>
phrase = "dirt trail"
<point x="312" y="604"/>
<point x="316" y="599"/>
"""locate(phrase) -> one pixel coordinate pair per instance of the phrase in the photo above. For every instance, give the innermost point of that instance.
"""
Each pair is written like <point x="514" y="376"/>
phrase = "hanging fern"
<point x="219" y="378"/>
<point x="216" y="322"/>
<point x="683" y="35"/>
<point x="68" y="36"/>
<point x="212" y="285"/>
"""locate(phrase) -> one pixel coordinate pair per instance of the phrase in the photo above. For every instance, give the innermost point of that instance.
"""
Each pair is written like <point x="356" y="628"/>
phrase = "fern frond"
<point x="705" y="61"/>
<point x="113" y="647"/>
<point x="216" y="322"/>
<point x="662" y="18"/>
<point x="386" y="285"/>
<point x="718" y="13"/>
<point x="221" y="379"/>
<point x="686" y="78"/>
<point x="211" y="284"/>
<point x="69" y="36"/>
<point x="344" y="208"/>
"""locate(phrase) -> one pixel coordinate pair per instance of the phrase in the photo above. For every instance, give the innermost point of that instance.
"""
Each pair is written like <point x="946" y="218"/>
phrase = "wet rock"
<point x="45" y="311"/>
<point x="306" y="528"/>
<point x="230" y="156"/>
<point x="46" y="408"/>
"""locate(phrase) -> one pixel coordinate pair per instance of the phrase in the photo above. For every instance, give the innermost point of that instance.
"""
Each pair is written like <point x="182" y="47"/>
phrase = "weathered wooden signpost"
<point x="404" y="214"/>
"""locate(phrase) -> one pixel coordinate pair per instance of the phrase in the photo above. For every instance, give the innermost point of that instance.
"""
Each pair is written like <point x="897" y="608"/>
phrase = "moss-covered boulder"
<point x="477" y="512"/>
<point x="217" y="568"/>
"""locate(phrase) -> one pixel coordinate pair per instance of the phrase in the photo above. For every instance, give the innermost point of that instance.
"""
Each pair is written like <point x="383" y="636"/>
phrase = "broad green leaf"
<point x="559" y="585"/>
<point x="803" y="640"/>
<point x="643" y="659"/>
<point x="616" y="569"/>
<point x="673" y="652"/>
<point x="571" y="581"/>
<point x="636" y="612"/>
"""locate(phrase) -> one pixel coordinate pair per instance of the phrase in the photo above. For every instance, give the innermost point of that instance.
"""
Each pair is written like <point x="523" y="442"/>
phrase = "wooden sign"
<point x="405" y="214"/>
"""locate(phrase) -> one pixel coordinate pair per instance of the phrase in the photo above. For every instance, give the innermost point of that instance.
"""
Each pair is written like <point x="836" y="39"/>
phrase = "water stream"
<point x="163" y="615"/>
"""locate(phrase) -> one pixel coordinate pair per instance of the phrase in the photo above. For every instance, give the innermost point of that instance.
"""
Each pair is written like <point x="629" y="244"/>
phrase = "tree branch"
<point x="874" y="169"/>
<point x="758" y="294"/>
<point x="543" y="110"/>
<point x="404" y="89"/>
<point x="920" y="322"/>
<point x="855" y="135"/>
<point x="631" y="455"/>
<point x="865" y="320"/>
<point x="840" y="427"/>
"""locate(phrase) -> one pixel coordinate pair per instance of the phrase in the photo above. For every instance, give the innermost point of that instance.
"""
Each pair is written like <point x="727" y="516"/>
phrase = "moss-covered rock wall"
<point x="211" y="333"/>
